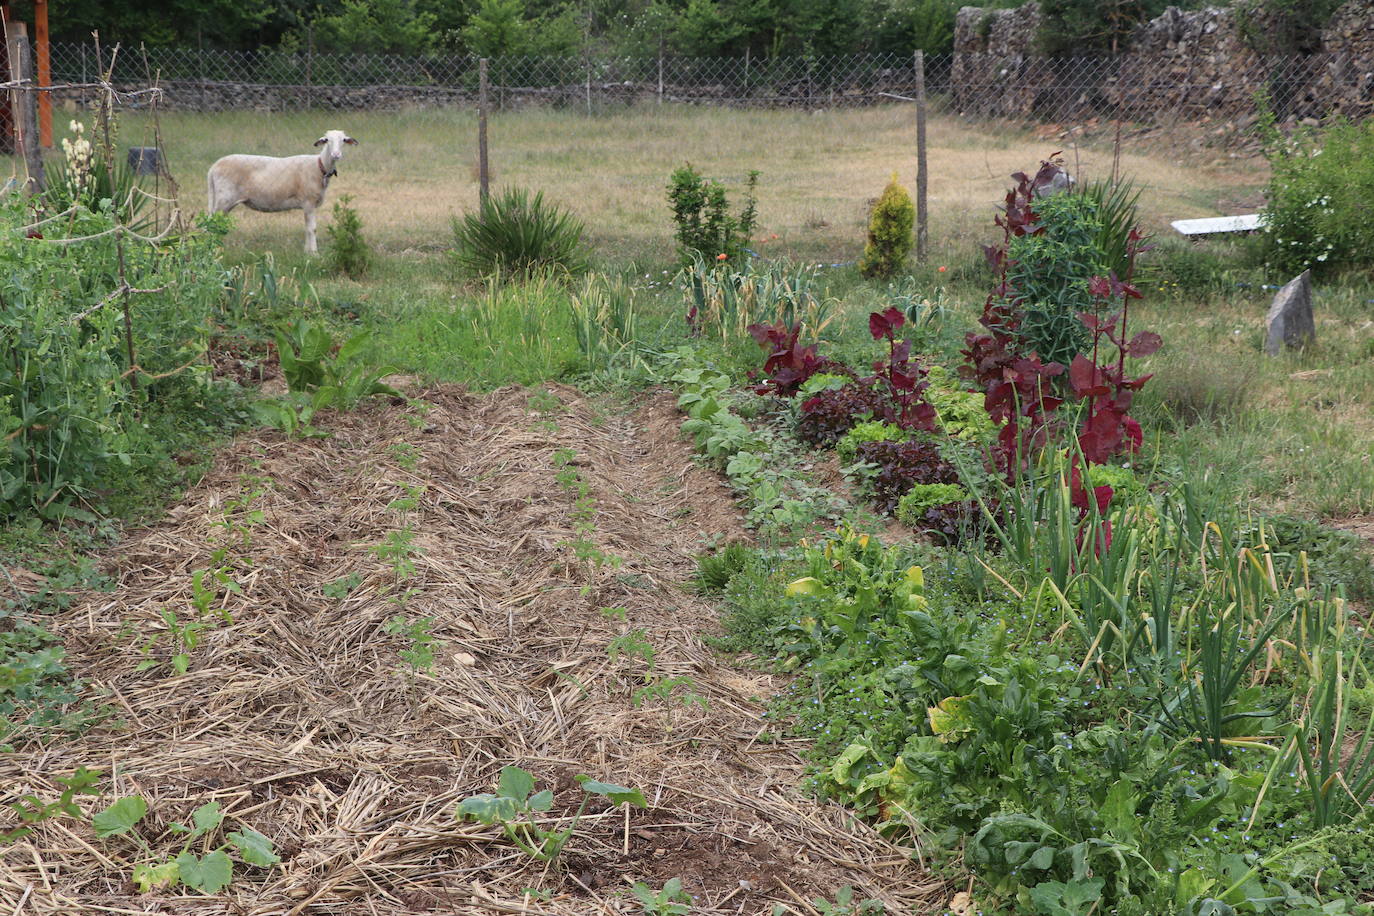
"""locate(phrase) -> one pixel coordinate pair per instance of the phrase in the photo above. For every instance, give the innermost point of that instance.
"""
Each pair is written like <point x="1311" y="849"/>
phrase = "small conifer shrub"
<point x="348" y="252"/>
<point x="889" y="232"/>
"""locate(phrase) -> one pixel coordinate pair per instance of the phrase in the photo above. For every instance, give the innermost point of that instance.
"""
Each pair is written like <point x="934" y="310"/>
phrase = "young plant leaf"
<point x="254" y="848"/>
<point x="155" y="877"/>
<point x="617" y="794"/>
<point x="120" y="817"/>
<point x="206" y="818"/>
<point x="541" y="801"/>
<point x="515" y="783"/>
<point x="209" y="875"/>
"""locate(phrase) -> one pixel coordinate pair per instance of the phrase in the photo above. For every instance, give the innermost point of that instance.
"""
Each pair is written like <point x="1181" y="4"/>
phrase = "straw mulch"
<point x="301" y="719"/>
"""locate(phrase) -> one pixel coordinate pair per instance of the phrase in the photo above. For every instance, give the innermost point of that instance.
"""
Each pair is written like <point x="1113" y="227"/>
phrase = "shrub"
<point x="873" y="431"/>
<point x="348" y="253"/>
<point x="912" y="508"/>
<point x="1319" y="188"/>
<point x="889" y="232"/>
<point x="76" y="384"/>
<point x="1050" y="270"/>
<point x="514" y="234"/>
<point x="705" y="227"/>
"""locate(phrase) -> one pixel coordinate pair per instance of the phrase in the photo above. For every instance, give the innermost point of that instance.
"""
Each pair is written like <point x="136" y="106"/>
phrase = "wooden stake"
<point x="922" y="226"/>
<point x="482" y="170"/>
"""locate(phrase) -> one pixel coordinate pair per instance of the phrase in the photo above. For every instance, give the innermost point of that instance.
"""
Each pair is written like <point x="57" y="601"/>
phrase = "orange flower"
<point x="722" y="256"/>
<point x="943" y="268"/>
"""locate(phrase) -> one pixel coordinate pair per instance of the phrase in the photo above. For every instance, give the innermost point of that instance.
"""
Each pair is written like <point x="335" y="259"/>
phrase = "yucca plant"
<point x="514" y="234"/>
<point x="1116" y="209"/>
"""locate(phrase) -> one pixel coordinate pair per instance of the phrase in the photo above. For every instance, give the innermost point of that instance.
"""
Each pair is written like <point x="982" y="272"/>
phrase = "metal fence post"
<point x="922" y="228"/>
<point x="483" y="174"/>
<point x="660" y="71"/>
<point x="587" y="62"/>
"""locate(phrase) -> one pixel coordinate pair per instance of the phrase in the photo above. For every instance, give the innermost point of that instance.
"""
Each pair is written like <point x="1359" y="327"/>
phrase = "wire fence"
<point x="1152" y="88"/>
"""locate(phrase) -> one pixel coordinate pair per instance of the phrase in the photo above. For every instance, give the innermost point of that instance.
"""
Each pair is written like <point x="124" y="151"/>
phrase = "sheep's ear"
<point x="320" y="142"/>
<point x="350" y="141"/>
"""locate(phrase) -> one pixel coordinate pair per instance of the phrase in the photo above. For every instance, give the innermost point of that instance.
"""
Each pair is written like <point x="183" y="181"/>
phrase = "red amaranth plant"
<point x="904" y="379"/>
<point x="789" y="364"/>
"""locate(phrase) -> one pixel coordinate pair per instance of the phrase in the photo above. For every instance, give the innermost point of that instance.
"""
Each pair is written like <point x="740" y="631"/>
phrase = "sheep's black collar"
<point x="325" y="175"/>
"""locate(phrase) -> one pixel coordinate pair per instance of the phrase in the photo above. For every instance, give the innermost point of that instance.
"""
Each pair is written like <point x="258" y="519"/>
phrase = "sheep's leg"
<point x="310" y="230"/>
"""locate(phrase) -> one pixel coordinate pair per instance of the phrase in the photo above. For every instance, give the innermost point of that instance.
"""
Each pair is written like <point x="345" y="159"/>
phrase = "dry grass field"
<point x="413" y="170"/>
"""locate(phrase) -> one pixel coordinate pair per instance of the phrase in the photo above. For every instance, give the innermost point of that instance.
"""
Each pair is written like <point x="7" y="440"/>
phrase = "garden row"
<point x="1094" y="687"/>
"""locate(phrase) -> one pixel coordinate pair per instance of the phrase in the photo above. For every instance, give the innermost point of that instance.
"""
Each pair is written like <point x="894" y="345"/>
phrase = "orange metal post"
<point x="40" y="42"/>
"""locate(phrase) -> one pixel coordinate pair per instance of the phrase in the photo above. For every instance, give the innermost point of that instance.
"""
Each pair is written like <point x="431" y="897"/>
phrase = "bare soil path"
<point x="301" y="719"/>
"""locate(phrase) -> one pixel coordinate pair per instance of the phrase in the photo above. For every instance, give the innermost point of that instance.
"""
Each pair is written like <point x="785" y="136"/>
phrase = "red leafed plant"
<point x="905" y="380"/>
<point x="788" y="364"/>
<point x="1018" y="386"/>
<point x="1108" y="429"/>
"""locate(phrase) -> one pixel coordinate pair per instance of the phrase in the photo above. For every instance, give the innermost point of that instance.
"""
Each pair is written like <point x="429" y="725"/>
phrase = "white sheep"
<point x="270" y="184"/>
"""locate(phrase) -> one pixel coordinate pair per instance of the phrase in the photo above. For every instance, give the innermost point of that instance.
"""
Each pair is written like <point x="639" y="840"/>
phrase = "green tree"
<point x="385" y="26"/>
<point x="498" y="29"/>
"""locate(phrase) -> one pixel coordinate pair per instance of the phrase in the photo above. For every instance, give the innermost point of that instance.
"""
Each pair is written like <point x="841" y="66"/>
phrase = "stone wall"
<point x="1181" y="66"/>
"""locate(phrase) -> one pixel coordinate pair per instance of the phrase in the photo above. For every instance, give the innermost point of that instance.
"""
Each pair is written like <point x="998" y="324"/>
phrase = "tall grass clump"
<point x="517" y="332"/>
<point x="514" y="234"/>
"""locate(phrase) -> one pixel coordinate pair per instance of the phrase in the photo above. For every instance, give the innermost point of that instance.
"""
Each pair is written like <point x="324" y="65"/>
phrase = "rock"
<point x="1290" y="317"/>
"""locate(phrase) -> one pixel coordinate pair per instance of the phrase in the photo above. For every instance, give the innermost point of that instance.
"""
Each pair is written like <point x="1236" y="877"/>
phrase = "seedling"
<point x="671" y="901"/>
<point x="399" y="549"/>
<point x="33" y="810"/>
<point x="420" y="654"/>
<point x="515" y="803"/>
<point x="185" y="636"/>
<point x="208" y="874"/>
<point x="406" y="456"/>
<point x="341" y="588"/>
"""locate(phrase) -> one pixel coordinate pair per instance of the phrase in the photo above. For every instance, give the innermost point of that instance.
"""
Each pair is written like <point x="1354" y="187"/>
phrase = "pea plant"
<point x="209" y="873"/>
<point x="514" y="805"/>
<point x="634" y="644"/>
<point x="571" y="482"/>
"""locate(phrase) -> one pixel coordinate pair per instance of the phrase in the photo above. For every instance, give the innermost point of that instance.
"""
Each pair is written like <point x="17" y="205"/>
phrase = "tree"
<point x="385" y="26"/>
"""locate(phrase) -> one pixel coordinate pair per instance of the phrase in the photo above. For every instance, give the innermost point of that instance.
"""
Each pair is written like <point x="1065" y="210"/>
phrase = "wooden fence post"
<point x="25" y="108"/>
<point x="922" y="226"/>
<point x="482" y="170"/>
<point x="44" y="62"/>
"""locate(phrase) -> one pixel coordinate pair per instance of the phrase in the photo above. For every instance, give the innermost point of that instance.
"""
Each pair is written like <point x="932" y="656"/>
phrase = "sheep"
<point x="270" y="184"/>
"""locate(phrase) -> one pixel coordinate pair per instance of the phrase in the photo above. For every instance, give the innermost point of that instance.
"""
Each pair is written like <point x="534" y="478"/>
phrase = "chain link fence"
<point x="1154" y="89"/>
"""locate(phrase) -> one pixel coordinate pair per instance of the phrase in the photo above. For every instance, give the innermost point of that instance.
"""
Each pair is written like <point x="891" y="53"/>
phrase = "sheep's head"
<point x="333" y="142"/>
